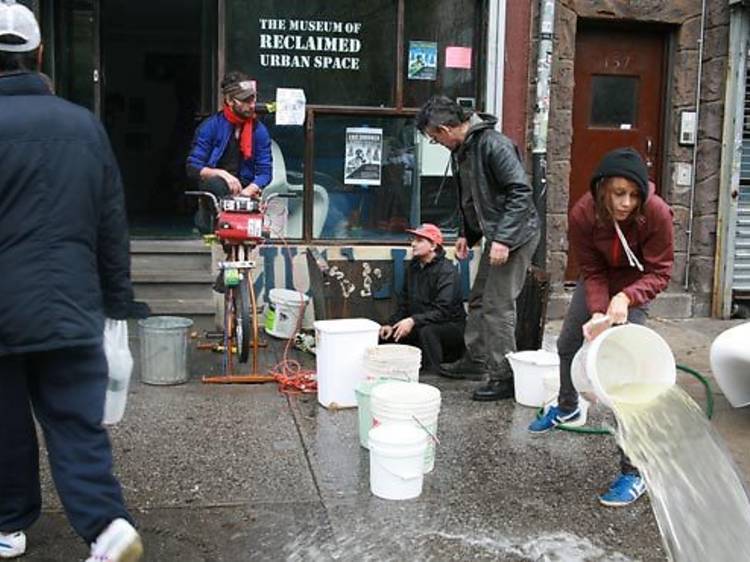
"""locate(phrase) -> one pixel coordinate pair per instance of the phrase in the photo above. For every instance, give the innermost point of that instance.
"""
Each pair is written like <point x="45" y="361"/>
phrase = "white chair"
<point x="280" y="184"/>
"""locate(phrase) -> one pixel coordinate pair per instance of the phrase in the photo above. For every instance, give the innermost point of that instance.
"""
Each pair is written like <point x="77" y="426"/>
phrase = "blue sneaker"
<point x="552" y="418"/>
<point x="624" y="490"/>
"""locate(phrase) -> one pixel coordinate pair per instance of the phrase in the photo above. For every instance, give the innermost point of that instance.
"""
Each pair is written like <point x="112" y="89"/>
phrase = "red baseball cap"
<point x="429" y="231"/>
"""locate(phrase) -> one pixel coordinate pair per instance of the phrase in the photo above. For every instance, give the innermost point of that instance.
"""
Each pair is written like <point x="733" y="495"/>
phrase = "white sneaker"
<point x="119" y="542"/>
<point x="12" y="544"/>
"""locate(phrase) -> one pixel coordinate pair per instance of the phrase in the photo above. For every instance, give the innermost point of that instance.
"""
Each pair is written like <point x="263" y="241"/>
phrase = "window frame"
<point x="398" y="110"/>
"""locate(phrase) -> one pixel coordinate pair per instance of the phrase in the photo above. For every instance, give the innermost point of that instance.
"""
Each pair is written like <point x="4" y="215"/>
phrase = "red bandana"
<point x="246" y="134"/>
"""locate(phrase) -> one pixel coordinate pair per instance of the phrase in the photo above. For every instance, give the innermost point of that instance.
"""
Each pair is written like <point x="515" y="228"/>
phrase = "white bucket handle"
<point x="396" y="474"/>
<point x="423" y="426"/>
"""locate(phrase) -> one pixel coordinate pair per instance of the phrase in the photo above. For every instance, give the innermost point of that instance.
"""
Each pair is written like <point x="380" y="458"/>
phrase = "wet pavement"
<point x="243" y="473"/>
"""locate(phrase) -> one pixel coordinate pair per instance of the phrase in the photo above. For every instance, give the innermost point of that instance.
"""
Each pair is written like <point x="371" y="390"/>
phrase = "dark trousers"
<point x="64" y="389"/>
<point x="570" y="341"/>
<point x="491" y="325"/>
<point x="205" y="216"/>
<point x="440" y="343"/>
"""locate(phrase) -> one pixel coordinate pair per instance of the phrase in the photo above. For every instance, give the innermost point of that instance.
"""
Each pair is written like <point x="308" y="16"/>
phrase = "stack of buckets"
<point x="397" y="421"/>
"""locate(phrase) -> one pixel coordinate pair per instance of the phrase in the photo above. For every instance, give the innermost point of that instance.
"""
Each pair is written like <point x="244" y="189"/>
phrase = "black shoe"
<point x="464" y="368"/>
<point x="204" y="219"/>
<point x="219" y="286"/>
<point x="494" y="390"/>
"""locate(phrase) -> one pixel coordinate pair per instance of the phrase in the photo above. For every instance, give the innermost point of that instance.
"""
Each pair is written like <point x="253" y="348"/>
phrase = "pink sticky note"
<point x="458" y="57"/>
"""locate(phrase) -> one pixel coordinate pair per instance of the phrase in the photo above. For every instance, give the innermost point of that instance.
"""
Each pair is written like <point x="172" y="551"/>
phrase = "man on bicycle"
<point x="231" y="151"/>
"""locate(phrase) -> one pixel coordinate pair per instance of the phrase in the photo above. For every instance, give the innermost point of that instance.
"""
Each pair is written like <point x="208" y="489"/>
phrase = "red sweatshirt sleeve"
<point x="658" y="254"/>
<point x="592" y="264"/>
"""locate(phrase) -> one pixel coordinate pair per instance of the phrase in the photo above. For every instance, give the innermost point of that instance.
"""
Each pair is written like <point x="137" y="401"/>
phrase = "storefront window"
<point x="371" y="177"/>
<point x="367" y="166"/>
<point x="441" y="53"/>
<point x="340" y="52"/>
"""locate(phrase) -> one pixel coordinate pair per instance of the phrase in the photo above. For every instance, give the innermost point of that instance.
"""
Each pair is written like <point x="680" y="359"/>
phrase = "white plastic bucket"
<point x="529" y="371"/>
<point x="393" y="361"/>
<point x="396" y="458"/>
<point x="411" y="403"/>
<point x="629" y="356"/>
<point x="283" y="312"/>
<point x="551" y="385"/>
<point x="339" y="354"/>
<point x="730" y="363"/>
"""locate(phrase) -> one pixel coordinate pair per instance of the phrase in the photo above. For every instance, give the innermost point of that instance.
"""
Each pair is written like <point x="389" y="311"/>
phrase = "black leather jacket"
<point x="489" y="164"/>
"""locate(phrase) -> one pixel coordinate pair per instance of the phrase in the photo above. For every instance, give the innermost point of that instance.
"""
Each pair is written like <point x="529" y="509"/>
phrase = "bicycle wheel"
<point x="242" y="328"/>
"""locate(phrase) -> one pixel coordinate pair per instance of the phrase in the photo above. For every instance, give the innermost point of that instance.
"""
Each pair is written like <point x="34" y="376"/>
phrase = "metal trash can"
<point x="165" y="353"/>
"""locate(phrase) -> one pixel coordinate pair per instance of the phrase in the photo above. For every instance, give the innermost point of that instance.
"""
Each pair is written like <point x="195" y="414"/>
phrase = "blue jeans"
<point x="64" y="389"/>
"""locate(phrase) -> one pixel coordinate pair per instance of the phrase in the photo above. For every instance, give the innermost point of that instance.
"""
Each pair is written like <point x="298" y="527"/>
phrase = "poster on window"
<point x="290" y="106"/>
<point x="422" y="60"/>
<point x="363" y="160"/>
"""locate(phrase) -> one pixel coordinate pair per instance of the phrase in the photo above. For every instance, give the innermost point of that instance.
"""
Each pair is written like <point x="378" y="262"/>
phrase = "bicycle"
<point x="241" y="226"/>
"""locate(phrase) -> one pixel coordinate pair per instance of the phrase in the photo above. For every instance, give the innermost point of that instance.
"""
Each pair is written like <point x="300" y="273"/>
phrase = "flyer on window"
<point x="363" y="160"/>
<point x="290" y="106"/>
<point x="422" y="60"/>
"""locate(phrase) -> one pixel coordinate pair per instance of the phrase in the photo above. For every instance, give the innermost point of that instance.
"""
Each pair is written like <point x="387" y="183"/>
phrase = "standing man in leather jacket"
<point x="496" y="203"/>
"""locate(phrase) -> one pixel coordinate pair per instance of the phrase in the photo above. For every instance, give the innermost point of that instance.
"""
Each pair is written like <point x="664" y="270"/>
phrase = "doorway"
<point x="157" y="76"/>
<point x="617" y="102"/>
<point x="148" y="70"/>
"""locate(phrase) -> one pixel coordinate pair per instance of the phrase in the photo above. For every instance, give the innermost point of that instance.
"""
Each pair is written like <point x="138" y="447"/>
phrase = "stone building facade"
<point x="681" y="22"/>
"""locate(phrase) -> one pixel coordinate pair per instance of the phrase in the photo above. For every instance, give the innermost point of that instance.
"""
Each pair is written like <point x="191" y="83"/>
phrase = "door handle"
<point x="649" y="152"/>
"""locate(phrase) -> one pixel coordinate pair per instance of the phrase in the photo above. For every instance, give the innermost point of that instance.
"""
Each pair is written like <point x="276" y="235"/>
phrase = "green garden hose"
<point x="606" y="431"/>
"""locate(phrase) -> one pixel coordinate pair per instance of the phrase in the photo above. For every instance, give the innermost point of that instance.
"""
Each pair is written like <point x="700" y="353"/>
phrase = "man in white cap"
<point x="65" y="265"/>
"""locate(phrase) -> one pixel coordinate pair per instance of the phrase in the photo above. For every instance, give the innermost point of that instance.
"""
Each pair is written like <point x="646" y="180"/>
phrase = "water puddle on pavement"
<point x="557" y="547"/>
<point x="697" y="493"/>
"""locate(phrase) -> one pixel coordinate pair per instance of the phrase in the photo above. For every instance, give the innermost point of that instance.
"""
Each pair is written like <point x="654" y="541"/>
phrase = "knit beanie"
<point x="625" y="163"/>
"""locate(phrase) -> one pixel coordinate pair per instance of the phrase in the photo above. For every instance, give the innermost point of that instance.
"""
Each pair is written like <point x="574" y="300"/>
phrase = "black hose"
<point x="607" y="431"/>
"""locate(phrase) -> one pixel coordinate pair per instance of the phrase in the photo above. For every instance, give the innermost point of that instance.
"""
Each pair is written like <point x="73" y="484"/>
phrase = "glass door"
<point x="76" y="44"/>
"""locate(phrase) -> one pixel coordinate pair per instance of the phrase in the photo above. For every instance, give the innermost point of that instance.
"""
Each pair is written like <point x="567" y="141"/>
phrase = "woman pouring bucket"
<point x="621" y="234"/>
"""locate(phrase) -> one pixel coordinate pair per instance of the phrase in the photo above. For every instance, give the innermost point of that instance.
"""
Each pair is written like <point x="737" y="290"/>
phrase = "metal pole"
<point x="541" y="123"/>
<point x="691" y="211"/>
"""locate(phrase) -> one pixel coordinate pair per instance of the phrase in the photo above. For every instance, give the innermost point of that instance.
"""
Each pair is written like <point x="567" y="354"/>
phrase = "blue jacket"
<point x="64" y="251"/>
<point x="211" y="140"/>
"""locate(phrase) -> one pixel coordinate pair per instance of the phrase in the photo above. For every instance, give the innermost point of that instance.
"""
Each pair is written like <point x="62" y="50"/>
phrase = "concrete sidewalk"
<point x="241" y="473"/>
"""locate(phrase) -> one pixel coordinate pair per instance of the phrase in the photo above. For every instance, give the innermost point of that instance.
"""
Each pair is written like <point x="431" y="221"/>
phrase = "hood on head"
<point x="626" y="163"/>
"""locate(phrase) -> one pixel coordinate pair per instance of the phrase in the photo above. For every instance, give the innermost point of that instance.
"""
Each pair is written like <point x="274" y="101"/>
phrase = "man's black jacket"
<point x="64" y="258"/>
<point x="431" y="294"/>
<point x="488" y="164"/>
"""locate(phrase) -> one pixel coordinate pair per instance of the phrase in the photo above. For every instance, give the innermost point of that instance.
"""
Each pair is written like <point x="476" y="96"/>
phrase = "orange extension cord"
<point x="291" y="377"/>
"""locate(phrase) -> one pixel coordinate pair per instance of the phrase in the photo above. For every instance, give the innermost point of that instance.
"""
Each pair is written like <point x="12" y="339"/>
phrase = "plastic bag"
<point x="120" y="365"/>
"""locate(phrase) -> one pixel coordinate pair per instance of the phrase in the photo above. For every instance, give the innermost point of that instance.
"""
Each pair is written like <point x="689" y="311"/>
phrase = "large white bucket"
<point x="396" y="458"/>
<point x="393" y="361"/>
<point x="730" y="363"/>
<point x="628" y="357"/>
<point x="411" y="403"/>
<point x="283" y="312"/>
<point x="530" y="368"/>
<point x="339" y="354"/>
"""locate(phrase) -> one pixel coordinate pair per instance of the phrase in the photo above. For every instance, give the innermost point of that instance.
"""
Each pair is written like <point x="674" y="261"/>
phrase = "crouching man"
<point x="430" y="312"/>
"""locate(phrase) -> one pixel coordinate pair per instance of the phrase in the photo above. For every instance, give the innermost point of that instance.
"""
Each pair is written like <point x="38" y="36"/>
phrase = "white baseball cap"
<point x="19" y="30"/>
